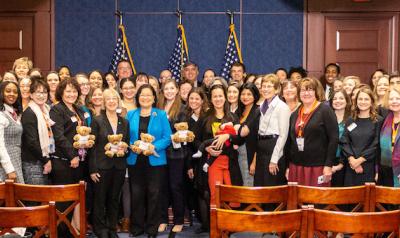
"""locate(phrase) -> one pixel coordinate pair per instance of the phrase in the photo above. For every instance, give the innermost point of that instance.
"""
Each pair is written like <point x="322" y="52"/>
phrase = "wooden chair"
<point x="74" y="193"/>
<point x="3" y="194"/>
<point x="224" y="221"/>
<point x="40" y="216"/>
<point x="329" y="197"/>
<point x="382" y="196"/>
<point x="253" y="196"/>
<point x="320" y="222"/>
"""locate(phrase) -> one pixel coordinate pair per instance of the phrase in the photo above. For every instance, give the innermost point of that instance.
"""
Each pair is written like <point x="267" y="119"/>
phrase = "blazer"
<point x="30" y="149"/>
<point x="64" y="129"/>
<point x="101" y="128"/>
<point x="158" y="127"/>
<point x="321" y="137"/>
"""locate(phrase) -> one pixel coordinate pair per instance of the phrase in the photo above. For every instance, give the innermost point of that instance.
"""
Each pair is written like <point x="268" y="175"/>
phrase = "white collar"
<point x="9" y="109"/>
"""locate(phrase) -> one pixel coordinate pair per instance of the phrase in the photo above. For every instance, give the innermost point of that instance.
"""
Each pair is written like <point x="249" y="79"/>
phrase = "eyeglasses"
<point x="308" y="90"/>
<point x="84" y="84"/>
<point x="41" y="93"/>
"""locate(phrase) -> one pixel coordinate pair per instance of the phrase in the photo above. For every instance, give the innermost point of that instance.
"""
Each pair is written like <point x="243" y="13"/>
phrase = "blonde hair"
<point x="22" y="60"/>
<point x="272" y="78"/>
<point x="395" y="88"/>
<point x="356" y="80"/>
<point x="372" y="112"/>
<point x="385" y="102"/>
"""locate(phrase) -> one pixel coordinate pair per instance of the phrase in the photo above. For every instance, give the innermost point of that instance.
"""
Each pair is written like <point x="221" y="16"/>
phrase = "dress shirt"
<point x="275" y="121"/>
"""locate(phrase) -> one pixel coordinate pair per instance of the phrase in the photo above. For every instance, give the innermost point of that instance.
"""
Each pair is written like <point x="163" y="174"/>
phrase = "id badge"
<point x="352" y="126"/>
<point x="86" y="115"/>
<point x="119" y="110"/>
<point x="300" y="143"/>
<point x="73" y="119"/>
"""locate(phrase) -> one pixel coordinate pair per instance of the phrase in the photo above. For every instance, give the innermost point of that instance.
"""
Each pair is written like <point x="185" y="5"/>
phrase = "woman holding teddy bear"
<point x="146" y="166"/>
<point x="107" y="164"/>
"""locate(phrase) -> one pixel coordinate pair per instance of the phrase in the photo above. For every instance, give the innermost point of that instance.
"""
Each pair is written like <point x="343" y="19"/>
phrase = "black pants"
<point x="262" y="176"/>
<point x="173" y="192"/>
<point x="106" y="200"/>
<point x="145" y="183"/>
<point x="204" y="208"/>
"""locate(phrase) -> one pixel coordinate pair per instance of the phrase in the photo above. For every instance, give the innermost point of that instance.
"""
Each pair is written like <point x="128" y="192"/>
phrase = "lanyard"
<point x="304" y="119"/>
<point x="395" y="130"/>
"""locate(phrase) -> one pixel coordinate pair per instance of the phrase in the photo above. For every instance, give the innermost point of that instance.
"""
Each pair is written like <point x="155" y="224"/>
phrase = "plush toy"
<point x="144" y="145"/>
<point x="83" y="139"/>
<point x="226" y="128"/>
<point x="115" y="146"/>
<point x="182" y="133"/>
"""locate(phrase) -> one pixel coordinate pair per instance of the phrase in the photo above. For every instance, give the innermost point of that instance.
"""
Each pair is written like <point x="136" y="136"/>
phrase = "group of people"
<point x="254" y="130"/>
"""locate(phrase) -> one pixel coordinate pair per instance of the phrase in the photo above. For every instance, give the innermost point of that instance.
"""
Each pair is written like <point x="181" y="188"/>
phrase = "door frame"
<point x="314" y="38"/>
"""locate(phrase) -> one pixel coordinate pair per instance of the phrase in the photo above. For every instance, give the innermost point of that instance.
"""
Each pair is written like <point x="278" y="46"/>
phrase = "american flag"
<point x="121" y="51"/>
<point x="232" y="53"/>
<point x="179" y="55"/>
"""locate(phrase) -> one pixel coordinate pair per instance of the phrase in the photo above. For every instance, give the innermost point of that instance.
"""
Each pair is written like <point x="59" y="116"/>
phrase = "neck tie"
<point x="264" y="107"/>
<point x="14" y="115"/>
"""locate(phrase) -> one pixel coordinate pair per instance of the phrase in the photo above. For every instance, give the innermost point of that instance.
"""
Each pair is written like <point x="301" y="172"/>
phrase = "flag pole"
<point x="119" y="14"/>
<point x="231" y="15"/>
<point x="179" y="13"/>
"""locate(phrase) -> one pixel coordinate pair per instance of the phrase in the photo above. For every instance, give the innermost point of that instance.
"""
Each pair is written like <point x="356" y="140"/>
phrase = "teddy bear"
<point x="144" y="145"/>
<point x="83" y="139"/>
<point x="182" y="133"/>
<point x="115" y="146"/>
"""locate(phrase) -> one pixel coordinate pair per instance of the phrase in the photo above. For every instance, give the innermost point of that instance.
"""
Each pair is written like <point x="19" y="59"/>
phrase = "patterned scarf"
<point x="388" y="157"/>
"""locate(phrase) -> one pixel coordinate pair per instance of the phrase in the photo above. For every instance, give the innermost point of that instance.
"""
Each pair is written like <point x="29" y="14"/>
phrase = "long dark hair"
<point x="254" y="90"/>
<point x="347" y="109"/>
<point x="203" y="96"/>
<point x="210" y="114"/>
<point x="18" y="103"/>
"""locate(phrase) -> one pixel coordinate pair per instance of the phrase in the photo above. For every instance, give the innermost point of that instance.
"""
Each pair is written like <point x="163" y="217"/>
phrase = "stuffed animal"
<point x="115" y="146"/>
<point x="144" y="145"/>
<point x="182" y="133"/>
<point x="83" y="139"/>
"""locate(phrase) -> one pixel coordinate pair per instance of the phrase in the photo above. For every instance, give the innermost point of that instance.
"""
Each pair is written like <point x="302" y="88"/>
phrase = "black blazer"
<point x="64" y="129"/>
<point x="101" y="128"/>
<point x="252" y="121"/>
<point x="30" y="149"/>
<point x="321" y="137"/>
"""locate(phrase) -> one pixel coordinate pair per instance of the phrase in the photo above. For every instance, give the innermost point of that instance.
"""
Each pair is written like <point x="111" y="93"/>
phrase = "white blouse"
<point x="275" y="121"/>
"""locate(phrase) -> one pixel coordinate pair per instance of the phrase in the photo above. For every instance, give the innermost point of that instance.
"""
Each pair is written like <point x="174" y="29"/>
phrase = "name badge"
<point x="73" y="119"/>
<point x="86" y="115"/>
<point x="194" y="117"/>
<point x="119" y="110"/>
<point x="300" y="143"/>
<point x="352" y="126"/>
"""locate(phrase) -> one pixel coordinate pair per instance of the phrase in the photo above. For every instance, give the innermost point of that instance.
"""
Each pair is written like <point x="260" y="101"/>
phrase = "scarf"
<point x="46" y="138"/>
<point x="388" y="157"/>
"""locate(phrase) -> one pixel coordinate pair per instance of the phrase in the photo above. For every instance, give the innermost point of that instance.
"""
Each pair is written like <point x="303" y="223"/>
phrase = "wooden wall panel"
<point x="26" y="30"/>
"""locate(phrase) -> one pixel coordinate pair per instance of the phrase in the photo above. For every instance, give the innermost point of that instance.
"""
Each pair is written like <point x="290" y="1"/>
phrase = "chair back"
<point x="384" y="198"/>
<point x="39" y="216"/>
<point x="253" y="197"/>
<point x="225" y="221"/>
<point x="73" y="193"/>
<point x="320" y="222"/>
<point x="328" y="198"/>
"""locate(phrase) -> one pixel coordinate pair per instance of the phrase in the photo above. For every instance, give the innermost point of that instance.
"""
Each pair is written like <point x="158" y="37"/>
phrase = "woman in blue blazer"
<point x="147" y="172"/>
